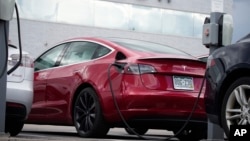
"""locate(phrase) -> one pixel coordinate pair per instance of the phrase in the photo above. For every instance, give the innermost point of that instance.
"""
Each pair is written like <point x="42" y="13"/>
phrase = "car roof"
<point x="114" y="42"/>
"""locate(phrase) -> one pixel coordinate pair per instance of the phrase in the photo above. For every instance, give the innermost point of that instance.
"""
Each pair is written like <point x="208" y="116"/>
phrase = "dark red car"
<point x="155" y="86"/>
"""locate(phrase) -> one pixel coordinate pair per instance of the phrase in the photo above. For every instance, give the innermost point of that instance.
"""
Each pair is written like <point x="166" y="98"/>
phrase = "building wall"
<point x="241" y="21"/>
<point x="191" y="6"/>
<point x="38" y="36"/>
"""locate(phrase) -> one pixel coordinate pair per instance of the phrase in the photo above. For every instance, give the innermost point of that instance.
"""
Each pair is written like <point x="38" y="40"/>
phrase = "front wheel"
<point x="88" y="118"/>
<point x="236" y="105"/>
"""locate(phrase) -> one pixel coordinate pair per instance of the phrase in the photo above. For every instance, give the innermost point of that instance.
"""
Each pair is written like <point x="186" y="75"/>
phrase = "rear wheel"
<point x="236" y="105"/>
<point x="140" y="131"/>
<point x="88" y="118"/>
<point x="14" y="127"/>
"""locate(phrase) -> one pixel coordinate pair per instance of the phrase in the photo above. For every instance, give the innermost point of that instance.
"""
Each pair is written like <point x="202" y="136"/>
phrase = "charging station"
<point x="6" y="13"/>
<point x="217" y="32"/>
<point x="210" y="39"/>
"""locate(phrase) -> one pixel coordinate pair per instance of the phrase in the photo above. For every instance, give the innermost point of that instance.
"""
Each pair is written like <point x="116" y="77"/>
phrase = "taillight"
<point x="139" y="69"/>
<point x="26" y="61"/>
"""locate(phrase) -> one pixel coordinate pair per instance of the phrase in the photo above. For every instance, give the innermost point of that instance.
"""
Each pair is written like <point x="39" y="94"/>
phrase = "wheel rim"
<point x="238" y="106"/>
<point x="85" y="112"/>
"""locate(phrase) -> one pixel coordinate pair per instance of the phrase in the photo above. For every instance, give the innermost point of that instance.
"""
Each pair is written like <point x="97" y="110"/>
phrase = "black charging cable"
<point x="125" y="122"/>
<point x="115" y="101"/>
<point x="20" y="44"/>
<point x="191" y="114"/>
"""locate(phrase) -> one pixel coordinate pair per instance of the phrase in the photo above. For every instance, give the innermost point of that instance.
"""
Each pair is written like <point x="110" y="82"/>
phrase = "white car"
<point x="19" y="96"/>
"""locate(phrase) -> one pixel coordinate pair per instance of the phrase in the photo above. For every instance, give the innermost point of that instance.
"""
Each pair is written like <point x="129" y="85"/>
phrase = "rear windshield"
<point x="144" y="46"/>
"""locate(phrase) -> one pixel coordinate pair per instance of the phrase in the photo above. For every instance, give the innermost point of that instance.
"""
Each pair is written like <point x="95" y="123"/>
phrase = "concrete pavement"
<point x="68" y="133"/>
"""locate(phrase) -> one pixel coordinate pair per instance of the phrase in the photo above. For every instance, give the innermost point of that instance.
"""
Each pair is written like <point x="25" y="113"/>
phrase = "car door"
<point x="43" y="65"/>
<point x="63" y="81"/>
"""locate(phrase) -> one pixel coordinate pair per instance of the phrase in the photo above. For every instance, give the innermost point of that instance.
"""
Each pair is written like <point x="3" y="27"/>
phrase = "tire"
<point x="140" y="131"/>
<point x="14" y="127"/>
<point x="192" y="134"/>
<point x="88" y="118"/>
<point x="235" y="108"/>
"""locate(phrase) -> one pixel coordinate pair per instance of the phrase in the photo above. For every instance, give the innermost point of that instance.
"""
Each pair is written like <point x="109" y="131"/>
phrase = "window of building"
<point x="114" y="15"/>
<point x="146" y="19"/>
<point x="111" y="15"/>
<point x="177" y="23"/>
<point x="78" y="12"/>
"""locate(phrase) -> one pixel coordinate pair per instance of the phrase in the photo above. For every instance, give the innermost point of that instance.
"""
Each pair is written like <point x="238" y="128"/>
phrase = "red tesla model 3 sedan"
<point x="94" y="83"/>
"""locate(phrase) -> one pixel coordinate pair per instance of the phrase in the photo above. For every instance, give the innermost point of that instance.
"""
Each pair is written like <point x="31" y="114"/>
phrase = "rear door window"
<point x="101" y="51"/>
<point x="79" y="52"/>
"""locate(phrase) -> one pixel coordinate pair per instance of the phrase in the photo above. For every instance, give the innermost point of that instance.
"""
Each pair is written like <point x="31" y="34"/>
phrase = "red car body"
<point x="142" y="85"/>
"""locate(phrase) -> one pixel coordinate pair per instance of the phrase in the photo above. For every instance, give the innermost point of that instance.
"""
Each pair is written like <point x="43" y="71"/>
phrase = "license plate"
<point x="183" y="82"/>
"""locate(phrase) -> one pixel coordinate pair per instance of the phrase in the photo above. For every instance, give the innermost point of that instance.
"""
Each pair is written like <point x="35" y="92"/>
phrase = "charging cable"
<point x="125" y="122"/>
<point x="115" y="101"/>
<point x="191" y="114"/>
<point x="20" y="44"/>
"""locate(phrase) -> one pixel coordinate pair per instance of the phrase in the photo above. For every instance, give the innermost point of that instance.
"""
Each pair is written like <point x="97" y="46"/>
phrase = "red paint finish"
<point x="144" y="88"/>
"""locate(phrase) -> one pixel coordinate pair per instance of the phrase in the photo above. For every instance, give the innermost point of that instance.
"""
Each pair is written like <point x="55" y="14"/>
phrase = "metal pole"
<point x="3" y="73"/>
<point x="6" y="13"/>
<point x="214" y="131"/>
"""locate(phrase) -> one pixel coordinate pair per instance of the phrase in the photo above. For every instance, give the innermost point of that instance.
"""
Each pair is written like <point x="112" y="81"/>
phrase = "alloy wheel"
<point x="238" y="106"/>
<point x="85" y="112"/>
<point x="88" y="116"/>
<point x="235" y="108"/>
